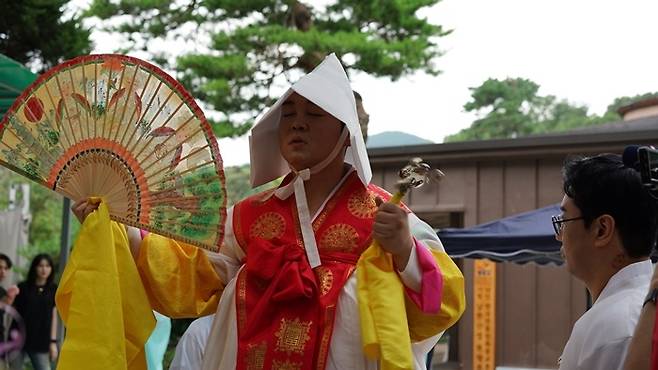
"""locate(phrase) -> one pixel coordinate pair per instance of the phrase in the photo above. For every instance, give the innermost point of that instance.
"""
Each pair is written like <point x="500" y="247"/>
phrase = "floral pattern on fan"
<point x="119" y="128"/>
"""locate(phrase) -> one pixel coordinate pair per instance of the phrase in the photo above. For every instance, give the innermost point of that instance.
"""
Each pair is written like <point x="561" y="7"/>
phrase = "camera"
<point x="648" y="166"/>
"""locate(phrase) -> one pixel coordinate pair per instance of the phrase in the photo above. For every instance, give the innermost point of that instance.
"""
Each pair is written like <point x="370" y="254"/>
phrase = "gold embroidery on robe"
<point x="268" y="226"/>
<point x="287" y="365"/>
<point x="326" y="335"/>
<point x="340" y="237"/>
<point x="328" y="208"/>
<point x="362" y="204"/>
<point x="325" y="279"/>
<point x="256" y="356"/>
<point x="242" y="298"/>
<point x="292" y="336"/>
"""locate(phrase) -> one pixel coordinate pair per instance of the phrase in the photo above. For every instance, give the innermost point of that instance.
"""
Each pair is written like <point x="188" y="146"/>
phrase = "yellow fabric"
<point x="179" y="279"/>
<point x="453" y="302"/>
<point x="385" y="323"/>
<point x="380" y="295"/>
<point x="101" y="301"/>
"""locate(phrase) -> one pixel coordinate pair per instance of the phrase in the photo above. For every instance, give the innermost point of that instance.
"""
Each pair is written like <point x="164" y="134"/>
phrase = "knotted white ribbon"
<point x="296" y="186"/>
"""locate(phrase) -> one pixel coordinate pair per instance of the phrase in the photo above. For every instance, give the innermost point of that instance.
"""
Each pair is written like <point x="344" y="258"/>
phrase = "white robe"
<point x="600" y="338"/>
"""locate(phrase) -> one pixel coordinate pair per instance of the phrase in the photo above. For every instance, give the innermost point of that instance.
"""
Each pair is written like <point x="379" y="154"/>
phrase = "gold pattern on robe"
<point x="325" y="279"/>
<point x="292" y="336"/>
<point x="269" y="225"/>
<point x="340" y="237"/>
<point x="242" y="300"/>
<point x="362" y="204"/>
<point x="256" y="356"/>
<point x="286" y="365"/>
<point x="319" y="221"/>
<point x="326" y="335"/>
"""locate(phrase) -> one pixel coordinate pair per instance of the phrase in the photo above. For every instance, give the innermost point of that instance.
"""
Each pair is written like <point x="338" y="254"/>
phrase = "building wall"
<point x="536" y="306"/>
<point x="641" y="113"/>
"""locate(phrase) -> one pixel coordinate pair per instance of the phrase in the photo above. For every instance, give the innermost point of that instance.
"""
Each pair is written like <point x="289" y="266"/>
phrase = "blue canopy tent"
<point x="520" y="238"/>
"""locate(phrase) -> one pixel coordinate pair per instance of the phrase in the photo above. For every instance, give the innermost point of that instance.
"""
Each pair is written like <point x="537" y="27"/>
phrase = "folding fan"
<point x="119" y="128"/>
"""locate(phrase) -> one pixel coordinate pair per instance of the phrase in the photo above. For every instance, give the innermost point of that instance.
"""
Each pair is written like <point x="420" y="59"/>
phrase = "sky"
<point x="588" y="52"/>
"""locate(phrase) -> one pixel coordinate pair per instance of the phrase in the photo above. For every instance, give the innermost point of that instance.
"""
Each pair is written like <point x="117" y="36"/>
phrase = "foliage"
<point x="253" y="45"/>
<point x="46" y="210"/>
<point x="39" y="33"/>
<point x="238" y="185"/>
<point x="178" y="327"/>
<point x="626" y="100"/>
<point x="512" y="108"/>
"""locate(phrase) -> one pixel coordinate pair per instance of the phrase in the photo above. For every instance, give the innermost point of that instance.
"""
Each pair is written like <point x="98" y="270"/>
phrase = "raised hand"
<point x="81" y="209"/>
<point x="391" y="231"/>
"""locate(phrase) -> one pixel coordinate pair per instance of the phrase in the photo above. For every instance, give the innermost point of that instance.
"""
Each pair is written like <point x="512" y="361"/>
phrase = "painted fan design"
<point x="120" y="128"/>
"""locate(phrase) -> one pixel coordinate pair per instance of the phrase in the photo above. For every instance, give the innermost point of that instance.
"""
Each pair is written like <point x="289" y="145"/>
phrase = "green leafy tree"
<point x="506" y="107"/>
<point x="254" y="46"/>
<point x="512" y="108"/>
<point x="39" y="33"/>
<point x="238" y="185"/>
<point x="46" y="211"/>
<point x="626" y="100"/>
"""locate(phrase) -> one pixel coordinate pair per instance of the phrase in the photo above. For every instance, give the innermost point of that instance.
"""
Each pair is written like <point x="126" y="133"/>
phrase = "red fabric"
<point x="278" y="294"/>
<point x="285" y="272"/>
<point x="280" y="298"/>
<point x="280" y="286"/>
<point x="654" y="345"/>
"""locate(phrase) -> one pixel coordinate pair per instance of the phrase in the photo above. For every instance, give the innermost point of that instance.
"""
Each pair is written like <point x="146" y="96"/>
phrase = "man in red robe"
<point x="283" y="286"/>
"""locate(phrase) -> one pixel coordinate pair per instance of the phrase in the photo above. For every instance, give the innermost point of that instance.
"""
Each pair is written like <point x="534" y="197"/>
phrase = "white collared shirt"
<point x="600" y="338"/>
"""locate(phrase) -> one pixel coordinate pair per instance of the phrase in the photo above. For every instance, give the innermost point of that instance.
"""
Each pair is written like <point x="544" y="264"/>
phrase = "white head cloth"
<point x="327" y="87"/>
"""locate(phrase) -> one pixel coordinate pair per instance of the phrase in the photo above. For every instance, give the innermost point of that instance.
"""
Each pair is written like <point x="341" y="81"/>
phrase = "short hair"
<point x="7" y="260"/>
<point x="604" y="185"/>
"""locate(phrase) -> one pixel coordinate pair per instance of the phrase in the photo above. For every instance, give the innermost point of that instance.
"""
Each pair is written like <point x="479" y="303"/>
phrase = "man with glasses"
<point x="607" y="229"/>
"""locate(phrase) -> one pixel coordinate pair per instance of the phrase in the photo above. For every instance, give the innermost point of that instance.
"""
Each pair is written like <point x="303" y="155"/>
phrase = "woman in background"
<point x="36" y="305"/>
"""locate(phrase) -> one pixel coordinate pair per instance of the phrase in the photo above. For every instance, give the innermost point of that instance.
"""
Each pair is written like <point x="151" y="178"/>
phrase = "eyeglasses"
<point x="558" y="221"/>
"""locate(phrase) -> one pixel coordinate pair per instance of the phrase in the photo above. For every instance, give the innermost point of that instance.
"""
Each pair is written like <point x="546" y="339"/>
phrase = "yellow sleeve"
<point x="101" y="301"/>
<point x="179" y="279"/>
<point x="453" y="302"/>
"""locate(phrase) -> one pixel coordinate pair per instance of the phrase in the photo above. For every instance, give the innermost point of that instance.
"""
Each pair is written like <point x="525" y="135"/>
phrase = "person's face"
<point x="577" y="244"/>
<point x="4" y="269"/>
<point x="307" y="134"/>
<point x="44" y="269"/>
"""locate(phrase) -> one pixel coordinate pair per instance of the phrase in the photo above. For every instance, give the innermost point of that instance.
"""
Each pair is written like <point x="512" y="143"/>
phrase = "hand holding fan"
<point x="119" y="128"/>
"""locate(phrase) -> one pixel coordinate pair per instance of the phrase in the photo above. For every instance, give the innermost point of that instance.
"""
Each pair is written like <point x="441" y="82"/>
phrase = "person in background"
<point x="36" y="305"/>
<point x="5" y="267"/>
<point x="607" y="229"/>
<point x="191" y="346"/>
<point x="643" y="351"/>
<point x="6" y="295"/>
<point x="6" y="298"/>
